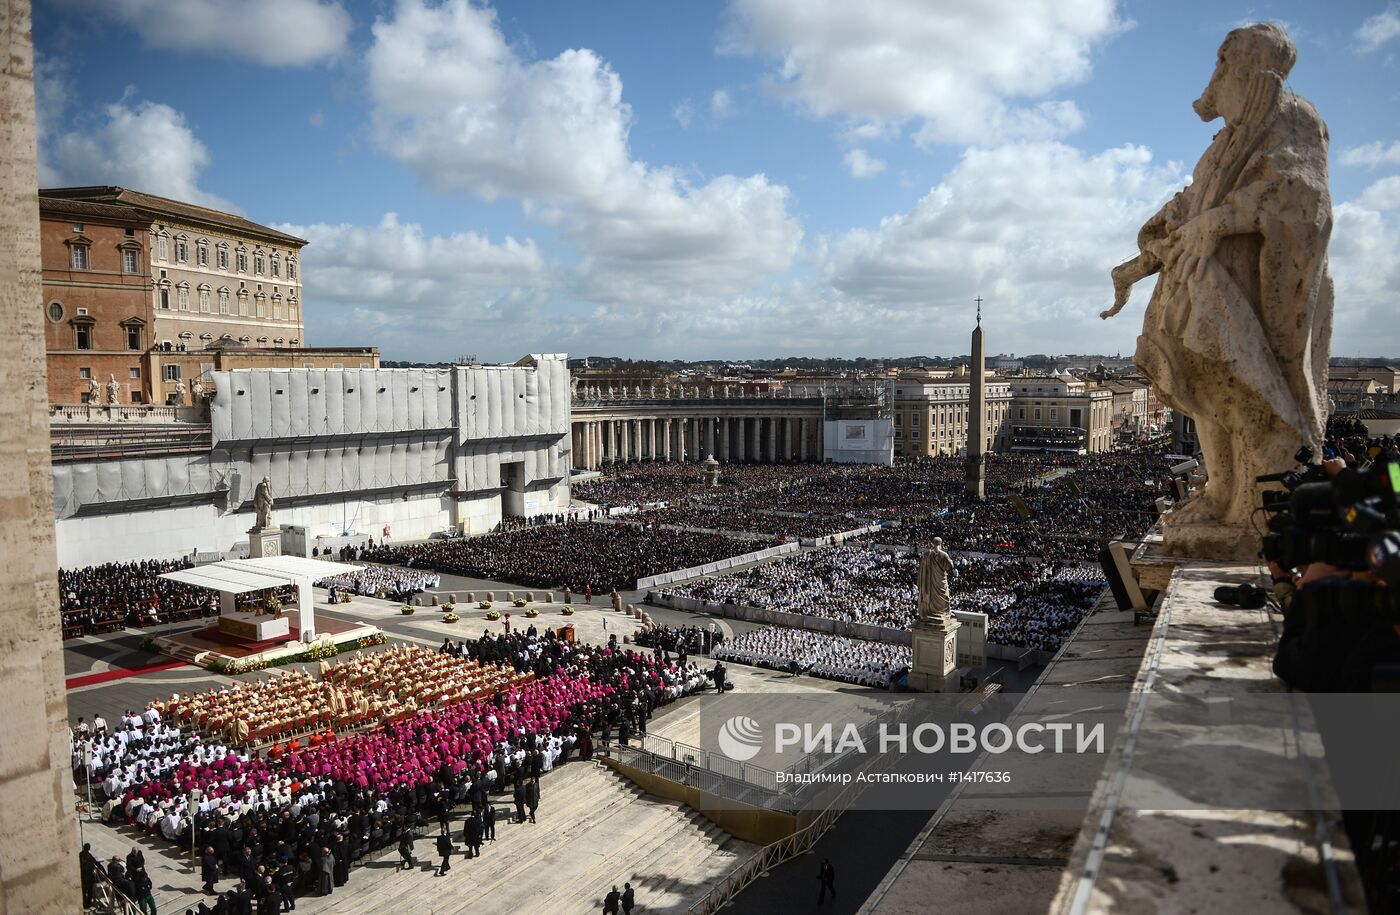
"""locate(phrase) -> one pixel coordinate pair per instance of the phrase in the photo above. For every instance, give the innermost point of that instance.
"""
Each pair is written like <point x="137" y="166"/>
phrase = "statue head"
<point x="938" y="543"/>
<point x="1249" y="72"/>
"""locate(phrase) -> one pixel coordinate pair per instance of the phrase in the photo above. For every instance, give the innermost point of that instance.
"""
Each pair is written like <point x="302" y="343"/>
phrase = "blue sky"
<point x="694" y="180"/>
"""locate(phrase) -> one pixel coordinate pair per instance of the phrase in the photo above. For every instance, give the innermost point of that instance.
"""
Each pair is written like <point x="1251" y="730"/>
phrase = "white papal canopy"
<point x="239" y="576"/>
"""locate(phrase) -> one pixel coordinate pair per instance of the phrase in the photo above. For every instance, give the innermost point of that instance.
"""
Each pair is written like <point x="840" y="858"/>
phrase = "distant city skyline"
<point x="746" y="178"/>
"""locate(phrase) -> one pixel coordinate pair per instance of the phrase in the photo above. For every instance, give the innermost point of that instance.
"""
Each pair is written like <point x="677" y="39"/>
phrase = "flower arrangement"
<point x="344" y="596"/>
<point x="450" y="618"/>
<point x="532" y="613"/>
<point x="406" y="610"/>
<point x="484" y="605"/>
<point x="568" y="610"/>
<point x="519" y="602"/>
<point x="320" y="650"/>
<point x="272" y="605"/>
<point x="493" y="615"/>
<point x="377" y="638"/>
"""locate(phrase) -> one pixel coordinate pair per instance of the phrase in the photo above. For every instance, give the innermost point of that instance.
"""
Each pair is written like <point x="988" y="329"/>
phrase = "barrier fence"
<point x="711" y="568"/>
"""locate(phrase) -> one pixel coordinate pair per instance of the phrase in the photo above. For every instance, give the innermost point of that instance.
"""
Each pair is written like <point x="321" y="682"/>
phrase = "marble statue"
<point x="94" y="391"/>
<point x="197" y="388"/>
<point x="262" y="503"/>
<point x="180" y="393"/>
<point x="1237" y="332"/>
<point x="113" y="389"/>
<point x="934" y="567"/>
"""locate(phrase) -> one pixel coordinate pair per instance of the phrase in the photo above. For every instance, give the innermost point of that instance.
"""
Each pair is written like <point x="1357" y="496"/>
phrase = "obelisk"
<point x="977" y="420"/>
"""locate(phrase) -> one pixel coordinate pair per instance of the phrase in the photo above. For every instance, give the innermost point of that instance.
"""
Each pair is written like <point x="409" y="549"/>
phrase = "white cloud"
<point x="955" y="68"/>
<point x="684" y="113"/>
<point x="1034" y="227"/>
<point x="143" y="145"/>
<point x="863" y="165"/>
<point x="1379" y="29"/>
<point x="721" y="104"/>
<point x="1372" y="154"/>
<point x="1365" y="263"/>
<point x="52" y="93"/>
<point x="418" y="291"/>
<point x="275" y="33"/>
<point x="1383" y="195"/>
<point x="455" y="102"/>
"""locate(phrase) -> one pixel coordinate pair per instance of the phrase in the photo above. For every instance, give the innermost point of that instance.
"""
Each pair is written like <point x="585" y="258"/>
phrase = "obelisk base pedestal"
<point x="935" y="655"/>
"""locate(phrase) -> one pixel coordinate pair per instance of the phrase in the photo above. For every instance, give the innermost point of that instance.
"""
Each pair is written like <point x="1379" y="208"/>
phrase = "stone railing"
<point x="589" y="394"/>
<point x="123" y="413"/>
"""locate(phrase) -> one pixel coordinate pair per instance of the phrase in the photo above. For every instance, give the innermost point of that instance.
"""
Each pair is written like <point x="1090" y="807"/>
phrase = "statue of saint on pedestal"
<point x="1237" y="332"/>
<point x="94" y="391"/>
<point x="262" y="503"/>
<point x="934" y="596"/>
<point x="114" y="390"/>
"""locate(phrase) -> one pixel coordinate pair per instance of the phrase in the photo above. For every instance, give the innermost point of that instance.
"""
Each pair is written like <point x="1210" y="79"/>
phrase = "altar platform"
<point x="212" y="645"/>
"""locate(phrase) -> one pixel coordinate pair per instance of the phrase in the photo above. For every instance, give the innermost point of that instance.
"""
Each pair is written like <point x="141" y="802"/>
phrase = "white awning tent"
<point x="239" y="576"/>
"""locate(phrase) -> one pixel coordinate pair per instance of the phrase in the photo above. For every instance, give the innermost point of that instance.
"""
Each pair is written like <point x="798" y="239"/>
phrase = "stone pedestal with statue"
<point x="264" y="539"/>
<point x="935" y="630"/>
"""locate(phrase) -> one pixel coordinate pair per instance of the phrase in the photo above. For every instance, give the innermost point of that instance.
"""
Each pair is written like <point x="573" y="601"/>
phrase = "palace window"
<point x="78" y="257"/>
<point x="163" y="246"/>
<point x="242" y="261"/>
<point x="204" y="299"/>
<point x="165" y="298"/>
<point x="182" y="296"/>
<point x="258" y="263"/>
<point x="182" y="250"/>
<point x="223" y="301"/>
<point x="201" y="253"/>
<point x="172" y="371"/>
<point x="223" y="258"/>
<point x="83" y="333"/>
<point x="291" y="269"/>
<point x="130" y="262"/>
<point x="276" y="265"/>
<point x="133" y="338"/>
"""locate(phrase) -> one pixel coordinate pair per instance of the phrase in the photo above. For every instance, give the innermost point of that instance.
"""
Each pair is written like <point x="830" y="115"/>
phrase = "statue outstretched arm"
<point x="1125" y="275"/>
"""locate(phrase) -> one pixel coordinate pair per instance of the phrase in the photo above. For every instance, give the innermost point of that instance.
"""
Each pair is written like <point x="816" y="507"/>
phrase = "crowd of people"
<point x="293" y="821"/>
<point x="115" y="595"/>
<point x="821" y="654"/>
<point x="1030" y="603"/>
<point x="422" y="678"/>
<point x="583" y="556"/>
<point x="684" y="640"/>
<point x="385" y="582"/>
<point x="283" y="705"/>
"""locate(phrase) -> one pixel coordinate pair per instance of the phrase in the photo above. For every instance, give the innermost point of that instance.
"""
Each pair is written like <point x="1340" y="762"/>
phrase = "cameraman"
<point x="1330" y="640"/>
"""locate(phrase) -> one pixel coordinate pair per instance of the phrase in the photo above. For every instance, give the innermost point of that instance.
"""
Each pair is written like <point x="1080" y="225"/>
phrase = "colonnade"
<point x="756" y="439"/>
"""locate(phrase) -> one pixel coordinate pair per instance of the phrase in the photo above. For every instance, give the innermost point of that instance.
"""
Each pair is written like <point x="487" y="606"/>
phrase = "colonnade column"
<point x="787" y="439"/>
<point x="739" y="430"/>
<point x="709" y="436"/>
<point x="680" y="441"/>
<point x="723" y="455"/>
<point x="666" y="437"/>
<point x="773" y="439"/>
<point x="802" y="439"/>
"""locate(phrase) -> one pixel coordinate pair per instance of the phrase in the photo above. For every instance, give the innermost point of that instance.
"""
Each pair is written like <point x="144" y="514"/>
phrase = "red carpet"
<point x="120" y="674"/>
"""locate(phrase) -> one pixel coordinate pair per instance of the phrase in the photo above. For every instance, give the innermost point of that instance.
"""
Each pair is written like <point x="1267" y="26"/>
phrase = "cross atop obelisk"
<point x="978" y="300"/>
